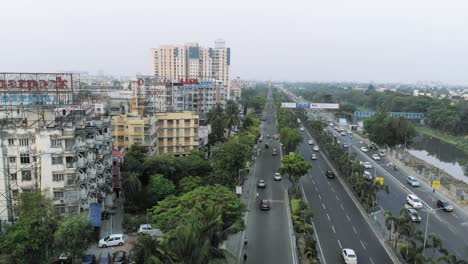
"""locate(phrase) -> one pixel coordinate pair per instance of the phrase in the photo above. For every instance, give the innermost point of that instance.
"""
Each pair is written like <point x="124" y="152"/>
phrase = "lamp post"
<point x="429" y="210"/>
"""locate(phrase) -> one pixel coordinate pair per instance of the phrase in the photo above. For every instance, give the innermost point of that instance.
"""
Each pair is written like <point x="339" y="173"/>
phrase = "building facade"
<point x="178" y="132"/>
<point x="129" y="130"/>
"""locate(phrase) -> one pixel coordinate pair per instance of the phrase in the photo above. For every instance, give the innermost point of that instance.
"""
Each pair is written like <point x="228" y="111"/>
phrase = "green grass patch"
<point x="460" y="142"/>
<point x="295" y="203"/>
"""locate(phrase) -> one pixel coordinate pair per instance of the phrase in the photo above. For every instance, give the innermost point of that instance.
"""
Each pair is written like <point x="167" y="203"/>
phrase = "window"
<point x="26" y="175"/>
<point x="11" y="141"/>
<point x="24" y="158"/>
<point x="71" y="178"/>
<point x="187" y="138"/>
<point x="138" y="141"/>
<point x="187" y="130"/>
<point x="55" y="143"/>
<point x="24" y="142"/>
<point x="120" y="128"/>
<point x="13" y="176"/>
<point x="57" y="177"/>
<point x="14" y="193"/>
<point x="137" y="129"/>
<point x="170" y="139"/>
<point x="12" y="159"/>
<point x="187" y="121"/>
<point x="170" y="122"/>
<point x="57" y="160"/>
<point x="58" y="195"/>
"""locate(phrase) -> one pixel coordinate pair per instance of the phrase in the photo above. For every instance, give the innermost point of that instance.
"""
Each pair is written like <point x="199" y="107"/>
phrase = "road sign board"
<point x="435" y="184"/>
<point x="379" y="180"/>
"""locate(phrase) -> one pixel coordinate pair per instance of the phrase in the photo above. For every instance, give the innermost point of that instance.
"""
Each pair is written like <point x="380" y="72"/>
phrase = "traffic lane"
<point x="346" y="223"/>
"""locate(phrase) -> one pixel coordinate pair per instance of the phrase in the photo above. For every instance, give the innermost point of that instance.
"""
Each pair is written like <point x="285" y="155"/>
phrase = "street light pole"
<point x="427" y="224"/>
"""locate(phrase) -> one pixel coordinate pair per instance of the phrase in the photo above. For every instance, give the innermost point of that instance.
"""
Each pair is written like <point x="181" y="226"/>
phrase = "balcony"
<point x="58" y="201"/>
<point x="82" y="175"/>
<point x="99" y="139"/>
<point x="91" y="173"/>
<point x="90" y="158"/>
<point x="83" y="192"/>
<point x="90" y="142"/>
<point x="70" y="165"/>
<point x="107" y="137"/>
<point x="68" y="132"/>
<point x="99" y="168"/>
<point x="80" y="146"/>
<point x="80" y="163"/>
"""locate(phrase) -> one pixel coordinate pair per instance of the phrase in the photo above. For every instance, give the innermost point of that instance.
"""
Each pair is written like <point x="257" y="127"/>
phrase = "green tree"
<point x="74" y="235"/>
<point x="190" y="183"/>
<point x="295" y="167"/>
<point x="159" y="188"/>
<point x="290" y="138"/>
<point x="216" y="118"/>
<point x="232" y="118"/>
<point x="389" y="131"/>
<point x="149" y="250"/>
<point x="31" y="238"/>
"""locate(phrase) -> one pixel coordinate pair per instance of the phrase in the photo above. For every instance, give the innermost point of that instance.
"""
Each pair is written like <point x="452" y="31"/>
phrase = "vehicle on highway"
<point x="414" y="215"/>
<point x="268" y="136"/>
<point x="343" y="133"/>
<point x="349" y="132"/>
<point x="314" y="156"/>
<point x="349" y="256"/>
<point x="112" y="240"/>
<point x="264" y="205"/>
<point x="302" y="129"/>
<point x="147" y="229"/>
<point x="340" y="129"/>
<point x="260" y="139"/>
<point x="277" y="176"/>
<point x="367" y="175"/>
<point x="412" y="181"/>
<point x="345" y="145"/>
<point x="366" y="164"/>
<point x="310" y="142"/>
<point x="88" y="259"/>
<point x="414" y="201"/>
<point x="274" y="152"/>
<point x="336" y="128"/>
<point x="261" y="184"/>
<point x="381" y="153"/>
<point x="330" y="174"/>
<point x="364" y="149"/>
<point x="316" y="148"/>
<point x="275" y="136"/>
<point x="331" y="124"/>
<point x="445" y="205"/>
<point x="267" y="146"/>
<point x="376" y="156"/>
<point x="119" y="257"/>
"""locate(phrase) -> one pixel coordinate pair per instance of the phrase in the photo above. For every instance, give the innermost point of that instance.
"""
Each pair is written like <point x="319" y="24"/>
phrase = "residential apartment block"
<point x="67" y="156"/>
<point x="178" y="132"/>
<point x="131" y="130"/>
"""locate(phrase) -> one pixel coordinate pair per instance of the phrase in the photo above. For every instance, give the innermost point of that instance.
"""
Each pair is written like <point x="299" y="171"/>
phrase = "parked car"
<point x="146" y="229"/>
<point x="119" y="257"/>
<point x="376" y="156"/>
<point x="316" y="148"/>
<point x="368" y="175"/>
<point x="112" y="240"/>
<point x="314" y="156"/>
<point x="445" y="205"/>
<point x="277" y="176"/>
<point x="302" y="129"/>
<point x="414" y="215"/>
<point x="65" y="258"/>
<point x="349" y="256"/>
<point x="381" y="153"/>
<point x="104" y="258"/>
<point x="330" y="174"/>
<point x="343" y="133"/>
<point x="88" y="259"/>
<point x="345" y="145"/>
<point x="267" y="146"/>
<point x="274" y="152"/>
<point x="366" y="164"/>
<point x="364" y="149"/>
<point x="412" y="181"/>
<point x="310" y="142"/>
<point x="414" y="201"/>
<point x="349" y="131"/>
<point x="264" y="205"/>
<point x="261" y="184"/>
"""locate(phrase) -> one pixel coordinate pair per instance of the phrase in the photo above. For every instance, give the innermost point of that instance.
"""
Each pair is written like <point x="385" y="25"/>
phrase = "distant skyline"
<point x="326" y="40"/>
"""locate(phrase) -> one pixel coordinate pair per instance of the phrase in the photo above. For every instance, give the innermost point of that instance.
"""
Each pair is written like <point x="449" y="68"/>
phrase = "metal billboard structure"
<point x="310" y="105"/>
<point x="35" y="89"/>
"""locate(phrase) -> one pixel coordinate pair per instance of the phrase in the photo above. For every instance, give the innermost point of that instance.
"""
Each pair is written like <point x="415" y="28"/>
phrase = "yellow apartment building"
<point x="178" y="132"/>
<point x="131" y="130"/>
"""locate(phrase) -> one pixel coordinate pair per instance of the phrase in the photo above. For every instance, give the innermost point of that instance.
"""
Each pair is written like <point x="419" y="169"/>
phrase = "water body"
<point x="442" y="155"/>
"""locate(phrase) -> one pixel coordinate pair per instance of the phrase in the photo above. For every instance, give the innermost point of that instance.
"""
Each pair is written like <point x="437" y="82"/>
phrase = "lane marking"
<point x="333" y="229"/>
<point x="363" y="245"/>
<point x="372" y="261"/>
<point x="355" y="230"/>
<point x="320" y="197"/>
<point x="337" y="198"/>
<point x="328" y="217"/>
<point x="455" y="216"/>
<point x="456" y="252"/>
<point x="323" y="205"/>
<point x="328" y="183"/>
<point x="313" y="182"/>
<point x="316" y="188"/>
<point x="339" y="243"/>
<point x="348" y="218"/>
<point x="333" y="189"/>
<point x="341" y="205"/>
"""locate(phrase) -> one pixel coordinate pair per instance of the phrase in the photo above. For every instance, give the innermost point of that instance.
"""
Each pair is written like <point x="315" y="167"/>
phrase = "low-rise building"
<point x="178" y="132"/>
<point x="131" y="130"/>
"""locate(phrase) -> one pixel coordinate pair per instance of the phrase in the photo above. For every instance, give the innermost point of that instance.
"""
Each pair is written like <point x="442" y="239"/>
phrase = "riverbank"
<point x="458" y="141"/>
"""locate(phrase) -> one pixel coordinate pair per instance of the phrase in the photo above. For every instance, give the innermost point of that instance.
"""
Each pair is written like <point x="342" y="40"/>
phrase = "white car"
<point x="147" y="229"/>
<point x="364" y="149"/>
<point x="314" y="157"/>
<point x="367" y="175"/>
<point x="412" y="181"/>
<point x="376" y="157"/>
<point x="316" y="148"/>
<point x="349" y="256"/>
<point x="366" y="164"/>
<point x="414" y="201"/>
<point x="343" y="133"/>
<point x="302" y="129"/>
<point x="349" y="132"/>
<point x="310" y="142"/>
<point x="381" y="153"/>
<point x="112" y="240"/>
<point x="277" y="176"/>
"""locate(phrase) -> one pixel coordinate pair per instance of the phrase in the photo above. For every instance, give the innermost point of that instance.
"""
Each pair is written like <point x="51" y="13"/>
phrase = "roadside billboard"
<point x="311" y="105"/>
<point x="35" y="89"/>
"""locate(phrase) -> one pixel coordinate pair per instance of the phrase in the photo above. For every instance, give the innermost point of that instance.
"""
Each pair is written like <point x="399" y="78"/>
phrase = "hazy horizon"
<point x="360" y="41"/>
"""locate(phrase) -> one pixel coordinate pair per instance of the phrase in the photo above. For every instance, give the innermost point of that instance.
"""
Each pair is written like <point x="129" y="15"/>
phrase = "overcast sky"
<point x="309" y="40"/>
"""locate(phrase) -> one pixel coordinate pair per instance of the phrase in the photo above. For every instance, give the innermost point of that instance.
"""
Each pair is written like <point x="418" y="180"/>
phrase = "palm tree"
<point x="401" y="224"/>
<point x="231" y="116"/>
<point x="149" y="250"/>
<point x="131" y="182"/>
<point x="188" y="245"/>
<point x="216" y="117"/>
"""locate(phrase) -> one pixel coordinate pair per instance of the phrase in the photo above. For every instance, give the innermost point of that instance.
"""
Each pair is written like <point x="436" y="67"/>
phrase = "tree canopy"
<point x="389" y="131"/>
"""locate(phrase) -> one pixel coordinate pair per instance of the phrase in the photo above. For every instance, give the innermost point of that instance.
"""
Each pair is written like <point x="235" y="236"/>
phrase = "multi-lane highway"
<point x="338" y="222"/>
<point x="269" y="233"/>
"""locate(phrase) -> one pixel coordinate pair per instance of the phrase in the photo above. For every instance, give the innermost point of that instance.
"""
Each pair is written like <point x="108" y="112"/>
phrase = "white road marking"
<point x="328" y="217"/>
<point x="328" y="183"/>
<point x="372" y="261"/>
<point x="323" y="205"/>
<point x="457" y="252"/>
<point x="339" y="244"/>
<point x="333" y="190"/>
<point x="313" y="182"/>
<point x="333" y="229"/>
<point x="363" y="245"/>
<point x="318" y="242"/>
<point x="316" y="189"/>
<point x="348" y="218"/>
<point x="337" y="198"/>
<point x="455" y="216"/>
<point x="341" y="205"/>
<point x="354" y="230"/>
<point x="320" y="197"/>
